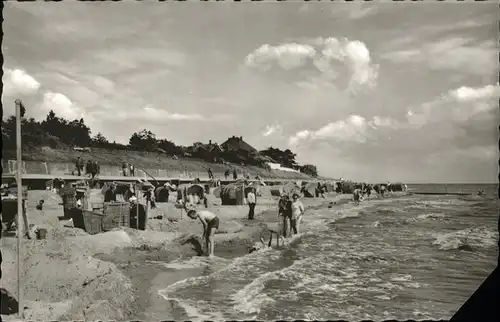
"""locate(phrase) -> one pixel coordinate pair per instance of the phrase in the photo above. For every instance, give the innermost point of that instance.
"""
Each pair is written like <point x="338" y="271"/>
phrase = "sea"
<point x="409" y="257"/>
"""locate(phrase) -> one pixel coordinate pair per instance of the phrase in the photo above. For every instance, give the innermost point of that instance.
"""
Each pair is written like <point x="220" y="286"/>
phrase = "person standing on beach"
<point x="124" y="168"/>
<point x="132" y="170"/>
<point x="251" y="199"/>
<point x="235" y="175"/>
<point x="93" y="169"/>
<point x="297" y="213"/>
<point x="226" y="174"/>
<point x="88" y="166"/>
<point x="110" y="194"/>
<point x="79" y="166"/>
<point x="210" y="224"/>
<point x="368" y="190"/>
<point x="210" y="174"/>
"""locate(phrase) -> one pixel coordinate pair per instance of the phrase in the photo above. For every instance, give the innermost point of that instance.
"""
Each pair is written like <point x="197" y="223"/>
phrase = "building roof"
<point x="210" y="147"/>
<point x="236" y="143"/>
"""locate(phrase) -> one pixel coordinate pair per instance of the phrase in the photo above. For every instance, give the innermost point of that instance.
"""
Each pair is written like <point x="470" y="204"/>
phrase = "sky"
<point x="366" y="91"/>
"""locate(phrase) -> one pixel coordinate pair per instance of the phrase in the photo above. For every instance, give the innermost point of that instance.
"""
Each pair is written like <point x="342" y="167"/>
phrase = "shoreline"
<point x="68" y="275"/>
<point x="154" y="306"/>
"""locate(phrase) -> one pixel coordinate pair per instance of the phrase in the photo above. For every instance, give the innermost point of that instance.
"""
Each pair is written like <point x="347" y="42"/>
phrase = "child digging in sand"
<point x="210" y="224"/>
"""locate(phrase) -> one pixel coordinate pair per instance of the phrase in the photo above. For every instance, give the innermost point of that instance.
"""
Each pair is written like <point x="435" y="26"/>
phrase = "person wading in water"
<point x="210" y="224"/>
<point x="285" y="211"/>
<point x="356" y="196"/>
<point x="297" y="213"/>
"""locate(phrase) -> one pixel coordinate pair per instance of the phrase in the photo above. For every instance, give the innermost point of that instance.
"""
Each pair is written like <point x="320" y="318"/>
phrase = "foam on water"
<point x="431" y="216"/>
<point x="197" y="262"/>
<point x="342" y="269"/>
<point x="191" y="310"/>
<point x="250" y="298"/>
<point x="481" y="237"/>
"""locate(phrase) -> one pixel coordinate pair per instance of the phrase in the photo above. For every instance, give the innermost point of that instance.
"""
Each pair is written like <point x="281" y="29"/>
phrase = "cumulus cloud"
<point x="467" y="94"/>
<point x="354" y="128"/>
<point x="272" y="129"/>
<point x="288" y="56"/>
<point x="17" y="81"/>
<point x="459" y="105"/>
<point x="61" y="105"/>
<point x="324" y="54"/>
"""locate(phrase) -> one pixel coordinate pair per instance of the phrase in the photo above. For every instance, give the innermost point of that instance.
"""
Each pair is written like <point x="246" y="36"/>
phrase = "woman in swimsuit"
<point x="210" y="224"/>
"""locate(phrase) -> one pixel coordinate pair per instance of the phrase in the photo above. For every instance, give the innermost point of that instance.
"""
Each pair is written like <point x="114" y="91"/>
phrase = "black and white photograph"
<point x="223" y="160"/>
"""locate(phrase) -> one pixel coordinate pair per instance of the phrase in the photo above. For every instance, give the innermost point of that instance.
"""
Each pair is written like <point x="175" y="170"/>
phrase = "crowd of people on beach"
<point x="290" y="208"/>
<point x="291" y="212"/>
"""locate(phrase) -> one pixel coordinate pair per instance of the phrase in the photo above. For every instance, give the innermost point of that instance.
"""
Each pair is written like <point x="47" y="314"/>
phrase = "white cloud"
<point x="459" y="105"/>
<point x="466" y="94"/>
<point x="61" y="105"/>
<point x="272" y="129"/>
<point x="323" y="53"/>
<point x="378" y="122"/>
<point x="158" y="115"/>
<point x="288" y="56"/>
<point x="353" y="128"/>
<point x="17" y="81"/>
<point x="299" y="136"/>
<point x="456" y="53"/>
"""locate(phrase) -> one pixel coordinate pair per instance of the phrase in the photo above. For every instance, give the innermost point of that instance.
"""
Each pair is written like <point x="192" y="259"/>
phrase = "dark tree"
<point x="285" y="158"/>
<point x="168" y="146"/>
<point x="100" y="140"/>
<point x="309" y="169"/>
<point x="143" y="140"/>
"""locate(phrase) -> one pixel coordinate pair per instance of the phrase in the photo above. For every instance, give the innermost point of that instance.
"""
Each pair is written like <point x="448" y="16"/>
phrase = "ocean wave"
<point x="192" y="311"/>
<point x="401" y="278"/>
<point x="432" y="215"/>
<point x="250" y="299"/>
<point x="480" y="237"/>
<point x="443" y="202"/>
<point x="196" y="262"/>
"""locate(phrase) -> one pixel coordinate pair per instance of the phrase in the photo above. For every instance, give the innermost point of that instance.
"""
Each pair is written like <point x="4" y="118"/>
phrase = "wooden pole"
<point x="20" y="210"/>
<point x="136" y="206"/>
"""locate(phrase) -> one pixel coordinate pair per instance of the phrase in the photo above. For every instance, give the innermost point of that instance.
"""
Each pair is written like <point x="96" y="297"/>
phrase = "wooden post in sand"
<point x="20" y="204"/>
<point x="136" y="206"/>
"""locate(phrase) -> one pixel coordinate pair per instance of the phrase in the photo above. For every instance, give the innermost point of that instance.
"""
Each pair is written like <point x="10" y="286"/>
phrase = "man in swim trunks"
<point x="297" y="213"/>
<point x="210" y="224"/>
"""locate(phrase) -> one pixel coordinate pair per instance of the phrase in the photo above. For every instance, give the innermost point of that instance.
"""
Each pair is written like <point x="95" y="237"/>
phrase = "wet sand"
<point x="116" y="275"/>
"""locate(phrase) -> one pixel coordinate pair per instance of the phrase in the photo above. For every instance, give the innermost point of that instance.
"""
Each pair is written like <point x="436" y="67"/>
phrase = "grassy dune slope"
<point x="146" y="160"/>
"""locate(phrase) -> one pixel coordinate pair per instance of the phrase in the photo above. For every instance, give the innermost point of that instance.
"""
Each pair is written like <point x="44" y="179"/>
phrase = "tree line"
<point x="59" y="133"/>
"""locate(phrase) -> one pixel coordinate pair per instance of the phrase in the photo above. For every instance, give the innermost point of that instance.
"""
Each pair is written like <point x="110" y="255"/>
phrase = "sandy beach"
<point x="116" y="275"/>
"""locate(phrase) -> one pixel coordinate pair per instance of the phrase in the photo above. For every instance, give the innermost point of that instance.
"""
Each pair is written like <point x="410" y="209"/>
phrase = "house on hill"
<point x="210" y="152"/>
<point x="236" y="144"/>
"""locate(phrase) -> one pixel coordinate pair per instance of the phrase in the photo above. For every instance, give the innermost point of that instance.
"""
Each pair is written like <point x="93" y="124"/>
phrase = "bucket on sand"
<point x="41" y="233"/>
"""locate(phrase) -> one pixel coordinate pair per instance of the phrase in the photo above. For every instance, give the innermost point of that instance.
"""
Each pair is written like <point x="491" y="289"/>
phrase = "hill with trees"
<point x="58" y="133"/>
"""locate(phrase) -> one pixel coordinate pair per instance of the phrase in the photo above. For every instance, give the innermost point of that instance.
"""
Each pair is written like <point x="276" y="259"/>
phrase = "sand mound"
<point x="102" y="243"/>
